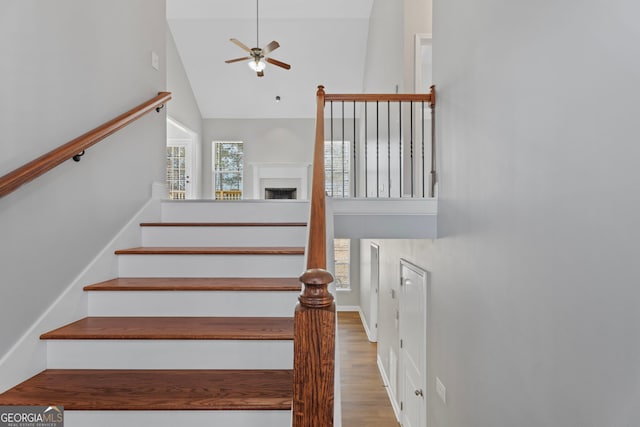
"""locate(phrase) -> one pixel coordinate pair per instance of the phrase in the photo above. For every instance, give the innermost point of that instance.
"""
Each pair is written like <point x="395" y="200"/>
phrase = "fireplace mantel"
<point x="284" y="175"/>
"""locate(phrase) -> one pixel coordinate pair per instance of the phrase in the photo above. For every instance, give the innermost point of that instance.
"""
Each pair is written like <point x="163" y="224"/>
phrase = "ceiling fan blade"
<point x="278" y="63"/>
<point x="229" y="61"/>
<point x="270" y="47"/>
<point x="240" y="44"/>
<point x="260" y="73"/>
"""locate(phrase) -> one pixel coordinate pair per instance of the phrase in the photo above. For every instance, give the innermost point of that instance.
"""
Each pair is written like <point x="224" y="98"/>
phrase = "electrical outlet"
<point x="441" y="390"/>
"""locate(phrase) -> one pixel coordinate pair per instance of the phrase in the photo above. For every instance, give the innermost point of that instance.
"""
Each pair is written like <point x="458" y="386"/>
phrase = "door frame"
<point x="421" y="40"/>
<point x="192" y="153"/>
<point x="374" y="297"/>
<point x="401" y="386"/>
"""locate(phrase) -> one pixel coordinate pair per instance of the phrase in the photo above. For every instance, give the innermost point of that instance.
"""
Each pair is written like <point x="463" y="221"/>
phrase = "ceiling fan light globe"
<point x="257" y="65"/>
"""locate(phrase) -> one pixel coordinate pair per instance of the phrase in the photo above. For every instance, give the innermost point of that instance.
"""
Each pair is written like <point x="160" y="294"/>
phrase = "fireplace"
<point x="280" y="193"/>
<point x="290" y="179"/>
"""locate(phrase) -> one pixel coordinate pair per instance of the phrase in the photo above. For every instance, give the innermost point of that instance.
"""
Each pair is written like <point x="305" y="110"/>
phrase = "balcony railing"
<point x="380" y="145"/>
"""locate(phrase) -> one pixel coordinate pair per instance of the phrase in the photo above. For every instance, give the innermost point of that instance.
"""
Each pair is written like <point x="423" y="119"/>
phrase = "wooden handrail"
<point x="53" y="158"/>
<point x="315" y="315"/>
<point x="429" y="98"/>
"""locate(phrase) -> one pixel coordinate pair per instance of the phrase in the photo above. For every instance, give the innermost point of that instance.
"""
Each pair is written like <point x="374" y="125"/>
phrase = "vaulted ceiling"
<point x="324" y="41"/>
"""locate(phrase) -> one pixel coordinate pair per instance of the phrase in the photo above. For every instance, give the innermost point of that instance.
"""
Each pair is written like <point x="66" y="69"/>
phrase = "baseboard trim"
<point x="348" y="308"/>
<point x="387" y="387"/>
<point x="365" y="325"/>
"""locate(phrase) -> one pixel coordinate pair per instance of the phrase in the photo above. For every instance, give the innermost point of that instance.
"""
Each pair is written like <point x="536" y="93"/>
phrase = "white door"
<point x="413" y="345"/>
<point x="375" y="291"/>
<point x="179" y="170"/>
<point x="181" y="161"/>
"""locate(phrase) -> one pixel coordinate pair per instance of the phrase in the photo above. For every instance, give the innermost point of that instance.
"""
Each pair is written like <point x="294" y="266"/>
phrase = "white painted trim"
<point x="27" y="356"/>
<point x="387" y="386"/>
<point x="417" y="59"/>
<point x="349" y="308"/>
<point x="393" y="206"/>
<point x="370" y="336"/>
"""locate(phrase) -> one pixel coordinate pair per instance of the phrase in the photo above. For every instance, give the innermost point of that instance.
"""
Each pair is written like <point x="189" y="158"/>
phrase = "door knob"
<point x="419" y="393"/>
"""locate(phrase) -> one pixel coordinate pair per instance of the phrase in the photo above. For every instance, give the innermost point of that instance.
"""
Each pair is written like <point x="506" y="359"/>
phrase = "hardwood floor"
<point x="365" y="402"/>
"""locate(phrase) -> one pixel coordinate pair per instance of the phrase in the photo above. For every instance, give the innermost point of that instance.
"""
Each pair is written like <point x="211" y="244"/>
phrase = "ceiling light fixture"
<point x="258" y="57"/>
<point x="257" y="65"/>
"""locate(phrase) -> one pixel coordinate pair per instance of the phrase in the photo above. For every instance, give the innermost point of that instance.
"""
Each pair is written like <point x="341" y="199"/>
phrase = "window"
<point x="227" y="170"/>
<point x="342" y="251"/>
<point x="336" y="168"/>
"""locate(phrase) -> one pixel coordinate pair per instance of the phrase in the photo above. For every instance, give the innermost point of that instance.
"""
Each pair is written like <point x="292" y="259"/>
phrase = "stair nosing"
<point x="212" y="250"/>
<point x="175" y="328"/>
<point x="156" y="389"/>
<point x="223" y="224"/>
<point x="213" y="284"/>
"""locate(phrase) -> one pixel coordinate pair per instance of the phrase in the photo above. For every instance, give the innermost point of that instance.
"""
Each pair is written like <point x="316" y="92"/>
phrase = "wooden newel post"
<point x="314" y="352"/>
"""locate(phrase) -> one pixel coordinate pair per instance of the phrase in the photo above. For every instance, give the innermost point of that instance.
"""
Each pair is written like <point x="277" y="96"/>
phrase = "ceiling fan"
<point x="258" y="56"/>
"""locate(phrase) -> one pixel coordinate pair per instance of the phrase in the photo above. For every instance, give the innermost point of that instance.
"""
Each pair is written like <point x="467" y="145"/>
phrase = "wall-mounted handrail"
<point x="315" y="315"/>
<point x="55" y="157"/>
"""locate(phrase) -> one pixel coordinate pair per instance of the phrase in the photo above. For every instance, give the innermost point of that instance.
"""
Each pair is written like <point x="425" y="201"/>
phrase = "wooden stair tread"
<point x="213" y="250"/>
<point x="198" y="284"/>
<point x="223" y="224"/>
<point x="176" y="328"/>
<point x="87" y="389"/>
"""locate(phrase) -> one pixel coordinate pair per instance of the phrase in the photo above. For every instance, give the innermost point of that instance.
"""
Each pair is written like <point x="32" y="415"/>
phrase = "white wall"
<point x="384" y="60"/>
<point x="69" y="66"/>
<point x="265" y="140"/>
<point x="417" y="20"/>
<point x="184" y="109"/>
<point x="183" y="106"/>
<point x="534" y="292"/>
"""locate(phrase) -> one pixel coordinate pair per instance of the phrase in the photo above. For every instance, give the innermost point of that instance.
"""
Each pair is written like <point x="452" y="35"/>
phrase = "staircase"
<point x="196" y="330"/>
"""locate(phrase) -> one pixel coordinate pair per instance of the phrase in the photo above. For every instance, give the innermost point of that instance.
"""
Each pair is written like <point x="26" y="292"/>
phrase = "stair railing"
<point x="315" y="315"/>
<point x="75" y="148"/>
<point x="391" y="159"/>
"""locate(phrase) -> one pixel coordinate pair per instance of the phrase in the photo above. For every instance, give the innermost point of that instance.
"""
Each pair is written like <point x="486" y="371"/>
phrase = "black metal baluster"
<point x="423" y="171"/>
<point x="411" y="124"/>
<point x="342" y="150"/>
<point x="366" y="150"/>
<point x="400" y="146"/>
<point x="331" y="148"/>
<point x="377" y="149"/>
<point x="354" y="169"/>
<point x="389" y="148"/>
<point x="433" y="146"/>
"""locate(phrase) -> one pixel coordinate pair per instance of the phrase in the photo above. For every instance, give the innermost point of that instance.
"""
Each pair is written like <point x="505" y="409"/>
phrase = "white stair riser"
<point x="193" y="303"/>
<point x="210" y="265"/>
<point x="169" y="354"/>
<point x="177" y="418"/>
<point x="224" y="236"/>
<point x="243" y="211"/>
